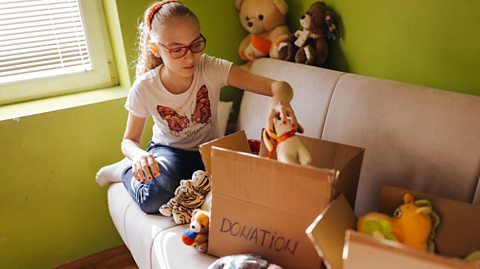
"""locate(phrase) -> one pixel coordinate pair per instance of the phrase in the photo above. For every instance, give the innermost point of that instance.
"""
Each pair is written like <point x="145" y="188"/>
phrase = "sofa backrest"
<point x="313" y="91"/>
<point x="418" y="138"/>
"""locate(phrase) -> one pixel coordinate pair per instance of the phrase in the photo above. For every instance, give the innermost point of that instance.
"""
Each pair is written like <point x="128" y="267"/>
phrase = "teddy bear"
<point x="309" y="45"/>
<point x="188" y="196"/>
<point x="264" y="20"/>
<point x="197" y="234"/>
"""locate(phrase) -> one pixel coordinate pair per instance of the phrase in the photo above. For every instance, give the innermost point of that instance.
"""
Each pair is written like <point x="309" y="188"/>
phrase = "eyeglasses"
<point x="196" y="47"/>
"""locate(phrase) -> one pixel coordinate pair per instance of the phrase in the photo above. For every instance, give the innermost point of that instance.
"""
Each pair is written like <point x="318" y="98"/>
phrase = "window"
<point x="52" y="47"/>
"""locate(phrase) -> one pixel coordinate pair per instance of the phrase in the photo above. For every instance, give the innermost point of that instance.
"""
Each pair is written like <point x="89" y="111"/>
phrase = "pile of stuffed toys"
<point x="269" y="36"/>
<point x="414" y="224"/>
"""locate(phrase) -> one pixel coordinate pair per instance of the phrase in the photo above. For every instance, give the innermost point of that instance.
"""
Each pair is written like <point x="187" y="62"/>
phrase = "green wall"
<point x="433" y="43"/>
<point x="52" y="211"/>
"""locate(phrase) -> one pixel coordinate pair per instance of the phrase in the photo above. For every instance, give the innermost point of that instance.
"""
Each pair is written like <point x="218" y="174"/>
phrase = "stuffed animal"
<point x="264" y="20"/>
<point x="287" y="145"/>
<point x="197" y="235"/>
<point x="309" y="45"/>
<point x="473" y="259"/>
<point x="413" y="224"/>
<point x="243" y="261"/>
<point x="188" y="196"/>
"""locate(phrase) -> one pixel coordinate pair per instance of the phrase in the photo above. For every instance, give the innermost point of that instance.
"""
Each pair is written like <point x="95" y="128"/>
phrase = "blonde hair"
<point x="146" y="60"/>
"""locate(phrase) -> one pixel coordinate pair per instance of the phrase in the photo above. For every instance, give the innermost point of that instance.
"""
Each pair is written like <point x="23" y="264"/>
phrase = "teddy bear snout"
<point x="250" y="24"/>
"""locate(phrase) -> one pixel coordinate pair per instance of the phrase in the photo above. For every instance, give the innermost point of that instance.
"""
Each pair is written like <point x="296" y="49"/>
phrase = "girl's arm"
<point x="141" y="160"/>
<point x="280" y="91"/>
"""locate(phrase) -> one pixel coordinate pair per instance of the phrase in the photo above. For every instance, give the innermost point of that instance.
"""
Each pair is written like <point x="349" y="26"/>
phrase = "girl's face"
<point x="173" y="34"/>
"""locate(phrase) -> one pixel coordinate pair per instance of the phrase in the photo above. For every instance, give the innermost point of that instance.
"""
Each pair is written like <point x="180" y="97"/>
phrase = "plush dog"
<point x="287" y="145"/>
<point x="197" y="234"/>
<point x="188" y="196"/>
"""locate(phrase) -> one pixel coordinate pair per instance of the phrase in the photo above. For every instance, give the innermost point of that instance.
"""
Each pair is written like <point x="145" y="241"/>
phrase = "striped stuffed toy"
<point x="189" y="196"/>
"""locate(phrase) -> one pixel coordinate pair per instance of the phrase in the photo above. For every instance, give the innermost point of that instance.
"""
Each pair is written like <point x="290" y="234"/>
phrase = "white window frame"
<point x="102" y="74"/>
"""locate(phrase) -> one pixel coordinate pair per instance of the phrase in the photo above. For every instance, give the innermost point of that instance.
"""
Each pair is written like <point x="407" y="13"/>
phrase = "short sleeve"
<point x="136" y="103"/>
<point x="217" y="70"/>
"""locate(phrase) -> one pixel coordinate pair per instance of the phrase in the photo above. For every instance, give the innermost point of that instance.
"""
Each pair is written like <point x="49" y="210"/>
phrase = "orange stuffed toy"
<point x="412" y="224"/>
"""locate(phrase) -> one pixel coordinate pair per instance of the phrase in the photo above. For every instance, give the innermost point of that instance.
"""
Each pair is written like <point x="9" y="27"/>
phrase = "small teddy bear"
<point x="188" y="196"/>
<point x="264" y="20"/>
<point x="309" y="45"/>
<point x="197" y="234"/>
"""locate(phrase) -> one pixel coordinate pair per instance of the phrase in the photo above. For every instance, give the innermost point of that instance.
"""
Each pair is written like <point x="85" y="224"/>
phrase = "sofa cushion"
<point x="141" y="230"/>
<point x="414" y="137"/>
<point x="118" y="202"/>
<point x="169" y="251"/>
<point x="312" y="93"/>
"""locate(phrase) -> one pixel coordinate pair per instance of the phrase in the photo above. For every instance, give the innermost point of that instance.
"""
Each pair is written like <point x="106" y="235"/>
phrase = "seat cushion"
<point x="312" y="93"/>
<point x="169" y="251"/>
<point x="141" y="229"/>
<point x="118" y="202"/>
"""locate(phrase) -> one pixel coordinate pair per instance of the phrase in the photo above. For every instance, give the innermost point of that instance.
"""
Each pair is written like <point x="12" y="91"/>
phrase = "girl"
<point x="179" y="87"/>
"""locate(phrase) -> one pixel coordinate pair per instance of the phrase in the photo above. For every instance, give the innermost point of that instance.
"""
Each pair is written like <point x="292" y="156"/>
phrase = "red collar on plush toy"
<point x="275" y="140"/>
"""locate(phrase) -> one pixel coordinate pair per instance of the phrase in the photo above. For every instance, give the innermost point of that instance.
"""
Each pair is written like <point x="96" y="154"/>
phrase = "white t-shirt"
<point x="183" y="120"/>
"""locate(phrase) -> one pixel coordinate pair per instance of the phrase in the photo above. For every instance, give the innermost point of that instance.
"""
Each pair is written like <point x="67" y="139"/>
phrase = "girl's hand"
<point x="282" y="95"/>
<point x="143" y="165"/>
<point x="286" y="113"/>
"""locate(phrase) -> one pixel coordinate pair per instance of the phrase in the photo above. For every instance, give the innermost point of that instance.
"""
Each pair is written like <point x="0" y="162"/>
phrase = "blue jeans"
<point x="175" y="165"/>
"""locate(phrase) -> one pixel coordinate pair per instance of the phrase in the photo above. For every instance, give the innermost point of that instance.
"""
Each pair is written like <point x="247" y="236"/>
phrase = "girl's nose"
<point x="189" y="55"/>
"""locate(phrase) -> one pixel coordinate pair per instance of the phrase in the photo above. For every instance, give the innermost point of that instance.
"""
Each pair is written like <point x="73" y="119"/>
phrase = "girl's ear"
<point x="154" y="49"/>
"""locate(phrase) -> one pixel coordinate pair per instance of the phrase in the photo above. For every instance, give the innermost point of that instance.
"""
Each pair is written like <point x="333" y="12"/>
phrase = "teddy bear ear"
<point x="238" y="4"/>
<point x="281" y="5"/>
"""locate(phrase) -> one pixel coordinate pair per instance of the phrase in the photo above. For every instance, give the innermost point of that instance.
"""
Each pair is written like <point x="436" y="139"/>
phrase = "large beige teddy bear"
<point x="265" y="22"/>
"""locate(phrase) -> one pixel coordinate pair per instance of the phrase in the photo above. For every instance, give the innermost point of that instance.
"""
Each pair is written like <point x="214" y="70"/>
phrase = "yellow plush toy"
<point x="413" y="224"/>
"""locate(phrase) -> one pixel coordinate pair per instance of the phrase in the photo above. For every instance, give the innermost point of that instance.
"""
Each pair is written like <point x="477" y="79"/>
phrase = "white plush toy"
<point x="287" y="145"/>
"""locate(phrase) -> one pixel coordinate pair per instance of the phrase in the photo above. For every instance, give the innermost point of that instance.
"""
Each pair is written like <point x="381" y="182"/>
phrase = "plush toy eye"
<point x="398" y="213"/>
<point x="260" y="17"/>
<point x="247" y="18"/>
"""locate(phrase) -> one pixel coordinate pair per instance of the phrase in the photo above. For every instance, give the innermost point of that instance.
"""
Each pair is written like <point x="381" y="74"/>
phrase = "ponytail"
<point x="146" y="59"/>
<point x="154" y="15"/>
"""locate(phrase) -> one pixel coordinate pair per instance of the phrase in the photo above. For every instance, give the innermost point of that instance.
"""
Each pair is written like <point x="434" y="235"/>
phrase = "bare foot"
<point x="112" y="173"/>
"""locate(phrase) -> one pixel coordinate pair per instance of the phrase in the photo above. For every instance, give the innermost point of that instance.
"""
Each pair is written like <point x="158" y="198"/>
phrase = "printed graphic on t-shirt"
<point x="202" y="112"/>
<point x="178" y="121"/>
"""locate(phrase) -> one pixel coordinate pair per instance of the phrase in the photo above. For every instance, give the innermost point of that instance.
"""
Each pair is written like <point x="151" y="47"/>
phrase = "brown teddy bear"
<point x="265" y="22"/>
<point x="309" y="45"/>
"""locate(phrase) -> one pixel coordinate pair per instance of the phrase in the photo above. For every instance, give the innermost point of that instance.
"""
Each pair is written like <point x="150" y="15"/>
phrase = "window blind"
<point x="41" y="38"/>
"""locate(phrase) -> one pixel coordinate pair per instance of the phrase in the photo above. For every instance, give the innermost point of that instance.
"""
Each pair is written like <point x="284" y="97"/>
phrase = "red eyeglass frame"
<point x="187" y="48"/>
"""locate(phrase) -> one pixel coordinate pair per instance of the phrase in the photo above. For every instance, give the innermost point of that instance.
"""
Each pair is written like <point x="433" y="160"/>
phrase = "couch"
<point x="419" y="138"/>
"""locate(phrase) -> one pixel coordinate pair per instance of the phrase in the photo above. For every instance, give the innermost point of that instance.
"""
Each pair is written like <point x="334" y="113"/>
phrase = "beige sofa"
<point x="420" y="138"/>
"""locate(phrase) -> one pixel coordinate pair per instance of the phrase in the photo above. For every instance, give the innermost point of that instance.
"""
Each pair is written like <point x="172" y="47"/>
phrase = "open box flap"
<point x="236" y="141"/>
<point x="327" y="232"/>
<point x="363" y="251"/>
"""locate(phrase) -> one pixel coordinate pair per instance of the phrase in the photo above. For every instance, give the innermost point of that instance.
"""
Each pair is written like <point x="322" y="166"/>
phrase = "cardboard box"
<point x="335" y="240"/>
<point x="262" y="206"/>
